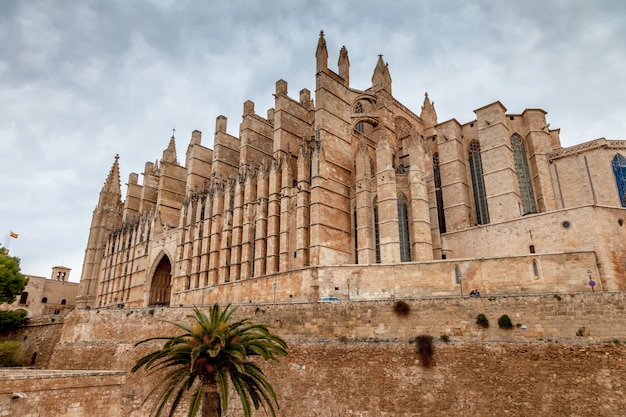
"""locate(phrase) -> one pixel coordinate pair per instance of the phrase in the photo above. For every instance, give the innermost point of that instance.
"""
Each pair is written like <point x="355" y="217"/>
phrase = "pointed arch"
<point x="619" y="170"/>
<point x="161" y="282"/>
<point x="478" y="183"/>
<point x="522" y="171"/>
<point x="403" y="229"/>
<point x="535" y="269"/>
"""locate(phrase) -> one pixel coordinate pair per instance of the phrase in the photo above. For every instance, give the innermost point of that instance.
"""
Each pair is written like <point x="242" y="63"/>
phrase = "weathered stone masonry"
<point x="351" y="185"/>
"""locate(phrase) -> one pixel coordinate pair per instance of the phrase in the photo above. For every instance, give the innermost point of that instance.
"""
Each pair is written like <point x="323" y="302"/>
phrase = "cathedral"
<point x="350" y="194"/>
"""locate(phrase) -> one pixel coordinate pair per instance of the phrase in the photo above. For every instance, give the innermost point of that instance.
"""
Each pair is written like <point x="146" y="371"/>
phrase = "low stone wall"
<point x="359" y="359"/>
<point x="513" y="275"/>
<point x="602" y="315"/>
<point x="32" y="393"/>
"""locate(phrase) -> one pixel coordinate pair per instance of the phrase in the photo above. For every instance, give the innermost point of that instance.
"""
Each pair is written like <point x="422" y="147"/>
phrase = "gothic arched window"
<point x="403" y="229"/>
<point x="438" y="194"/>
<point x="478" y="184"/>
<point x="523" y="175"/>
<point x="619" y="169"/>
<point x="376" y="231"/>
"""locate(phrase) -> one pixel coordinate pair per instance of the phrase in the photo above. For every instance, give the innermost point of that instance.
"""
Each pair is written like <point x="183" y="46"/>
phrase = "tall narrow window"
<point x="619" y="169"/>
<point x="457" y="274"/>
<point x="403" y="229"/>
<point x="478" y="184"/>
<point x="523" y="175"/>
<point x="356" y="240"/>
<point x="438" y="194"/>
<point x="24" y="297"/>
<point x="253" y="250"/>
<point x="376" y="231"/>
<point x="535" y="269"/>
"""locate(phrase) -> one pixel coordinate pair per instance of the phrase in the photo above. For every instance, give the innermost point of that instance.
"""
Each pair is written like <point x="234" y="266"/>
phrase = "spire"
<point x="344" y="66"/>
<point x="169" y="155"/>
<point x="111" y="194"/>
<point x="428" y="115"/>
<point x="321" y="55"/>
<point x="381" y="80"/>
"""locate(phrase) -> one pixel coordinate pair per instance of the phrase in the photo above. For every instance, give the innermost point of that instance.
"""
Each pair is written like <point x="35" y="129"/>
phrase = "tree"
<point x="12" y="282"/>
<point x="211" y="354"/>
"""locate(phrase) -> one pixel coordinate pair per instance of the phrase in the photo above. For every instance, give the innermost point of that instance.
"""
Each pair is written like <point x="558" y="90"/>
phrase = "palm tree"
<point x="207" y="358"/>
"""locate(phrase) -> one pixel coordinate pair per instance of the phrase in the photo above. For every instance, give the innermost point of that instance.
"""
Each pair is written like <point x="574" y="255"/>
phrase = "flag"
<point x="13" y="235"/>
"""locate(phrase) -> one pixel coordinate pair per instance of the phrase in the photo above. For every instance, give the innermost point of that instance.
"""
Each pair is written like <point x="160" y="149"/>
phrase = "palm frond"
<point x="212" y="350"/>
<point x="196" y="401"/>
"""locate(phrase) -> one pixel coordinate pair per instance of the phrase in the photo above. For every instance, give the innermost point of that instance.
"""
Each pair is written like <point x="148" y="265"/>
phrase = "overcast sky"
<point x="82" y="81"/>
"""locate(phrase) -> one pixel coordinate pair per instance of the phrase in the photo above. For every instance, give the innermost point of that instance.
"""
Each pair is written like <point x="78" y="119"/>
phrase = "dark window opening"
<point x="478" y="184"/>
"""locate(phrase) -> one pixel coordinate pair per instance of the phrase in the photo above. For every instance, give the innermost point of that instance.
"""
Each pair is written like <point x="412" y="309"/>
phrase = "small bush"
<point x="557" y="297"/>
<point x="9" y="353"/>
<point x="444" y="338"/>
<point x="482" y="320"/>
<point x="425" y="349"/>
<point x="504" y="322"/>
<point x="401" y="308"/>
<point x="151" y="311"/>
<point x="616" y="341"/>
<point x="10" y="320"/>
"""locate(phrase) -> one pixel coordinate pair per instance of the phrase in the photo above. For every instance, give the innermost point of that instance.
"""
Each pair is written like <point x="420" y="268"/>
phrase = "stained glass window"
<point x="619" y="169"/>
<point x="478" y="184"/>
<point x="438" y="194"/>
<point x="403" y="229"/>
<point x="376" y="231"/>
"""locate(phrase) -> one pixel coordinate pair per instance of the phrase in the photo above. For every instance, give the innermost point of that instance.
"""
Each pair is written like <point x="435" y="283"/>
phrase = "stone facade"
<point x="352" y="192"/>
<point x="43" y="296"/>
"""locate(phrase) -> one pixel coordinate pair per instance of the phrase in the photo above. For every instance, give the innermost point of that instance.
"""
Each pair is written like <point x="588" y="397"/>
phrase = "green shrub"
<point x="10" y="320"/>
<point x="401" y="308"/>
<point x="557" y="297"/>
<point x="444" y="338"/>
<point x="9" y="353"/>
<point x="151" y="311"/>
<point x="425" y="349"/>
<point x="482" y="320"/>
<point x="504" y="322"/>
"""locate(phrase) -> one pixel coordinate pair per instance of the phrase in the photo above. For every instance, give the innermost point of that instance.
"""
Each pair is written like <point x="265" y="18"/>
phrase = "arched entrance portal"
<point x="161" y="283"/>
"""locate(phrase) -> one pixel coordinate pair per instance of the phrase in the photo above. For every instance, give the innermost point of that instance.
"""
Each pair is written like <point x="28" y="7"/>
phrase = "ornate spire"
<point x="381" y="80"/>
<point x="111" y="194"/>
<point x="428" y="115"/>
<point x="169" y="155"/>
<point x="321" y="55"/>
<point x="344" y="66"/>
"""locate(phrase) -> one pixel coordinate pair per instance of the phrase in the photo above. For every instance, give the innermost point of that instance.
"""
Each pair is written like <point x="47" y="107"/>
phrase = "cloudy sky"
<point x="82" y="81"/>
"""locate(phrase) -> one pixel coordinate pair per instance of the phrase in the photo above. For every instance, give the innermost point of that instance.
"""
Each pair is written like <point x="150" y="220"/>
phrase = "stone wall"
<point x="557" y="273"/>
<point x="28" y="393"/>
<point x="38" y="339"/>
<point x="358" y="358"/>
